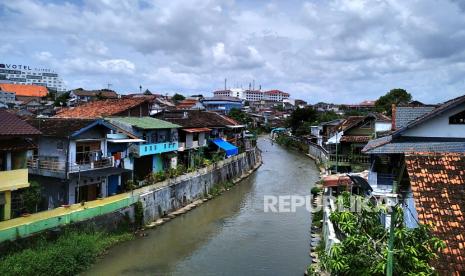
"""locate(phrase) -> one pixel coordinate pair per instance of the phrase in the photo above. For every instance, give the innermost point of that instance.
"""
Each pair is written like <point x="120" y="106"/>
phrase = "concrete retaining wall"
<point x="157" y="199"/>
<point x="173" y="194"/>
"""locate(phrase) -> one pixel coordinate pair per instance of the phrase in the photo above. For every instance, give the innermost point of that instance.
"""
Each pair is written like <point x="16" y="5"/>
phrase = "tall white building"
<point x="25" y="74"/>
<point x="253" y="95"/>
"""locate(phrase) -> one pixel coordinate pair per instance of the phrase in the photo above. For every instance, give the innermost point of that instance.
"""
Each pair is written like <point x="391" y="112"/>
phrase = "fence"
<point x="317" y="152"/>
<point x="26" y="226"/>
<point x="329" y="234"/>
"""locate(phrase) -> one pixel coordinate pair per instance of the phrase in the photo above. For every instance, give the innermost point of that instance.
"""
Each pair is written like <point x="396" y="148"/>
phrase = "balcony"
<point x="150" y="149"/>
<point x="348" y="160"/>
<point x="13" y="180"/>
<point x="46" y="166"/>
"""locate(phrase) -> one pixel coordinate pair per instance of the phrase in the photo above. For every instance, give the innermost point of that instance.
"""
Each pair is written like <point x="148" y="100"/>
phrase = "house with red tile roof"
<point x="192" y="104"/>
<point x="350" y="136"/>
<point x="16" y="140"/>
<point x="27" y="90"/>
<point x="79" y="159"/>
<point x="78" y="96"/>
<point x="275" y="95"/>
<point x="437" y="182"/>
<point x="131" y="107"/>
<point x="423" y="163"/>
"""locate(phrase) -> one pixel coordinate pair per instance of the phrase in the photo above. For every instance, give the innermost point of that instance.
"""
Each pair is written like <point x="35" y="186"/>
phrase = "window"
<point x="457" y="119"/>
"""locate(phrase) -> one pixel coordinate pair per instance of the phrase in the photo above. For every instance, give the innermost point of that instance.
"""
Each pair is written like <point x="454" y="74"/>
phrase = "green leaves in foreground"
<point x="363" y="248"/>
<point x="70" y="254"/>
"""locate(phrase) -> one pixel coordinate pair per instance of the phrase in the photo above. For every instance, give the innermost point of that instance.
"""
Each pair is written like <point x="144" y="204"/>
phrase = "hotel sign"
<point x="22" y="67"/>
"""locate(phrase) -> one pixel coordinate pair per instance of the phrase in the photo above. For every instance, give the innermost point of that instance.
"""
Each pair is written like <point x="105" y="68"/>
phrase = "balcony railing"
<point x="156" y="148"/>
<point x="354" y="159"/>
<point x="42" y="165"/>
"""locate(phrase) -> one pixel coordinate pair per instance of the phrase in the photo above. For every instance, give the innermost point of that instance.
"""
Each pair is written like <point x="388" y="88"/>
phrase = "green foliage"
<point x="31" y="197"/>
<point x="129" y="185"/>
<point x="301" y="120"/>
<point x="327" y="116"/>
<point x="239" y="116"/>
<point x="317" y="217"/>
<point x="70" y="254"/>
<point x="315" y="191"/>
<point x="178" y="97"/>
<point x="363" y="251"/>
<point x="138" y="214"/>
<point x="61" y="100"/>
<point x="395" y="96"/>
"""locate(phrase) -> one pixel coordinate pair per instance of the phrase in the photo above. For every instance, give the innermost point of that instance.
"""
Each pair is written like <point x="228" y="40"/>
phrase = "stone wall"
<point x="162" y="198"/>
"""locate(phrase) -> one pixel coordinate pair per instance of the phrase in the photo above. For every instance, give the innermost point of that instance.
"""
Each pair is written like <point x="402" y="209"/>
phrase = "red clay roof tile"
<point x="25" y="89"/>
<point x="438" y="186"/>
<point x="99" y="109"/>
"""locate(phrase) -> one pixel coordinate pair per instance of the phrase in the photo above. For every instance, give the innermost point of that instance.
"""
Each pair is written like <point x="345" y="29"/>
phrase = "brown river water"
<point x="231" y="234"/>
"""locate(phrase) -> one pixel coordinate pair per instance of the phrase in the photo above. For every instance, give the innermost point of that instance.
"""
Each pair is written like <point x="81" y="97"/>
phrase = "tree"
<point x="395" y="96"/>
<point x="62" y="99"/>
<point x="301" y="119"/>
<point x="363" y="251"/>
<point x="31" y="197"/>
<point x="178" y="97"/>
<point x="327" y="116"/>
<point x="239" y="116"/>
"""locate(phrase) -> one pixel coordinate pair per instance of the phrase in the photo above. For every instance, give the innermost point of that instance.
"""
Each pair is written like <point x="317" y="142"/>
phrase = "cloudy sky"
<point x="342" y="51"/>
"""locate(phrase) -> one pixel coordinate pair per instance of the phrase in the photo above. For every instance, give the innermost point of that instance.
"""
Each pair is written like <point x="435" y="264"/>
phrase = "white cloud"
<point x="336" y="50"/>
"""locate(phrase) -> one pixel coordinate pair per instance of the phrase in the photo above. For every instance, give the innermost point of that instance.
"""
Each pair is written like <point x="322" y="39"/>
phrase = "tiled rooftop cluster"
<point x="438" y="185"/>
<point x="98" y="109"/>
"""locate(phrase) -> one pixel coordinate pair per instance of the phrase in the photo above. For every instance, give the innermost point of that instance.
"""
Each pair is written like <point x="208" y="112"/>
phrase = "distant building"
<point x="25" y="74"/>
<point x="363" y="106"/>
<point x="190" y="104"/>
<point x="222" y="104"/>
<point x="7" y="97"/>
<point x="79" y="96"/>
<point x="324" y="107"/>
<point x="275" y="95"/>
<point x="252" y="95"/>
<point x="24" y="90"/>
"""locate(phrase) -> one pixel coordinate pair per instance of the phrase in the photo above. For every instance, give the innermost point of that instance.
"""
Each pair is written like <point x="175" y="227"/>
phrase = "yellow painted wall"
<point x="13" y="180"/>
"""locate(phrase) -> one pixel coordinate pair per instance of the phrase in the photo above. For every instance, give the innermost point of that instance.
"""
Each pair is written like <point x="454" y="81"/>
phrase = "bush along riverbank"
<point x="291" y="142"/>
<point x="71" y="253"/>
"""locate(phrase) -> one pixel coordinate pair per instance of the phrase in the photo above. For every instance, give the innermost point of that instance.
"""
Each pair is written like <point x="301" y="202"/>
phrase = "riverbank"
<point x="72" y="252"/>
<point x="255" y="242"/>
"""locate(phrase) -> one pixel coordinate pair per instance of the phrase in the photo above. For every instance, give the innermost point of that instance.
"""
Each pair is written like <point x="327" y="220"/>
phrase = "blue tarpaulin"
<point x="229" y="148"/>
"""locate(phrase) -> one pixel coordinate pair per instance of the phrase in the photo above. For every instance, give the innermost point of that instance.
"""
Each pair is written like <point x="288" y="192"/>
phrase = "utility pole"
<point x="390" y="257"/>
<point x="109" y="85"/>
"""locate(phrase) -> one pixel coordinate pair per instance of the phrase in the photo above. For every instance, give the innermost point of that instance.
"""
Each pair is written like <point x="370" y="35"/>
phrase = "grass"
<point x="70" y="254"/>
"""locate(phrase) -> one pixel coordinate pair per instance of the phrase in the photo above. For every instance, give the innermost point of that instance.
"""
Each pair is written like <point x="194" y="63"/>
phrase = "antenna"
<point x="109" y="85"/>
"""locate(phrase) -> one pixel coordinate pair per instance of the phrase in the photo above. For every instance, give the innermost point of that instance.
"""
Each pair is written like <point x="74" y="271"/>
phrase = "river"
<point x="231" y="234"/>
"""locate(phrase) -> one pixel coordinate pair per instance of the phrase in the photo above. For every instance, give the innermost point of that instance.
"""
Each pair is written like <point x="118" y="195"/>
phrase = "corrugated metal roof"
<point x="144" y="122"/>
